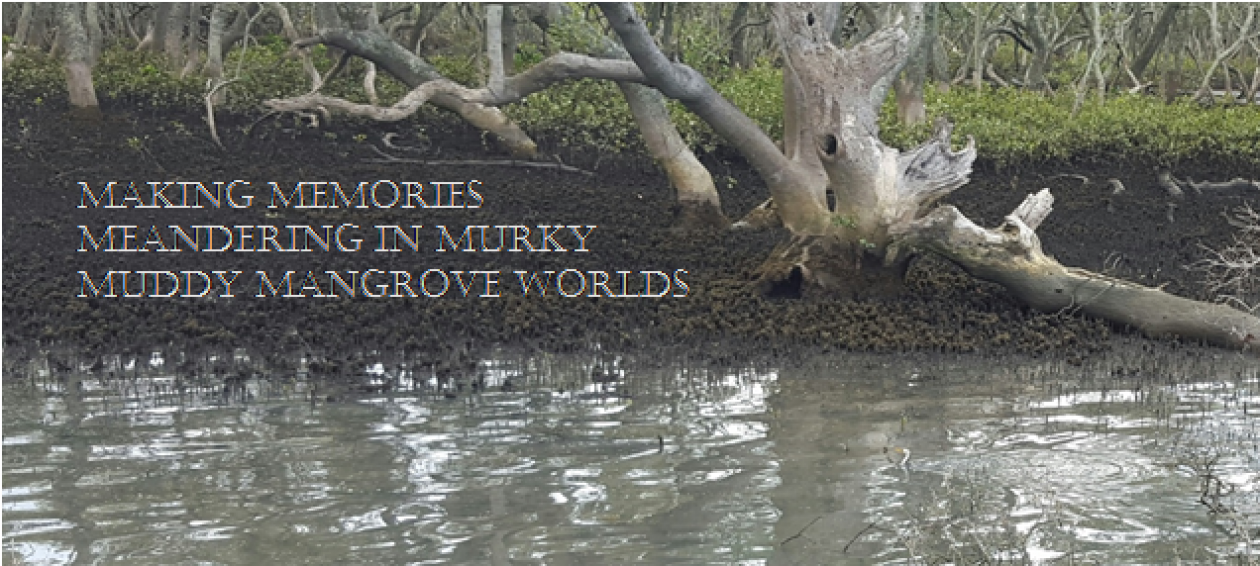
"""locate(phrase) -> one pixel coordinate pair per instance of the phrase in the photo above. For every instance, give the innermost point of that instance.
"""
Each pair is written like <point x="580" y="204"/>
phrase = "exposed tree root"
<point x="826" y="266"/>
<point x="699" y="216"/>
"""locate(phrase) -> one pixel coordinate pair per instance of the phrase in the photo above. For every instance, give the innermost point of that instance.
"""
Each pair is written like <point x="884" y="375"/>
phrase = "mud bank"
<point x="715" y="310"/>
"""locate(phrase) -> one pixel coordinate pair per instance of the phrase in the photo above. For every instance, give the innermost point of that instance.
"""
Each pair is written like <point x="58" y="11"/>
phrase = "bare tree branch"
<point x="557" y="68"/>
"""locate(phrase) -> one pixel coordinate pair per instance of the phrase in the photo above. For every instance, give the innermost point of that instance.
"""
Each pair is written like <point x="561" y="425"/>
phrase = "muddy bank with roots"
<point x="1135" y="235"/>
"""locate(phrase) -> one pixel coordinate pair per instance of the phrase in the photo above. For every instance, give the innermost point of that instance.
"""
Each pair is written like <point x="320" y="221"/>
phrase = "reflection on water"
<point x="595" y="459"/>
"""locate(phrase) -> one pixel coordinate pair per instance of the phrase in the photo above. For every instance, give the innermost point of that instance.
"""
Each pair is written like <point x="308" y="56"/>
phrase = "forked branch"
<point x="557" y="68"/>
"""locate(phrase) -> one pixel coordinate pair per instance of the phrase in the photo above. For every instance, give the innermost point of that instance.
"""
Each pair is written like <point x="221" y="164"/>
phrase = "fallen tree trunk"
<point x="1011" y="256"/>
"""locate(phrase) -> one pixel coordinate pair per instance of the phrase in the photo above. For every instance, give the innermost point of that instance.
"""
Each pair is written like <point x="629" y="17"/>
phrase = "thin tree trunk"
<point x="38" y="37"/>
<point x="494" y="46"/>
<point x="425" y="14"/>
<point x="78" y="60"/>
<point x="92" y="23"/>
<point x="509" y="40"/>
<point x="1035" y="75"/>
<point x="737" y="55"/>
<point x="1092" y="65"/>
<point x="654" y="12"/>
<point x="1223" y="52"/>
<point x="173" y="47"/>
<point x="977" y="50"/>
<point x="369" y="84"/>
<point x="911" y="109"/>
<point x="192" y="48"/>
<point x="669" y="15"/>
<point x="123" y="21"/>
<point x="155" y="39"/>
<point x="1254" y="88"/>
<point x="23" y="29"/>
<point x="214" y="40"/>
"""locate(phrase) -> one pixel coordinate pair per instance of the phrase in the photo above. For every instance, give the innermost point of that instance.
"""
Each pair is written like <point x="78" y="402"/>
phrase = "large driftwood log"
<point x="1011" y="256"/>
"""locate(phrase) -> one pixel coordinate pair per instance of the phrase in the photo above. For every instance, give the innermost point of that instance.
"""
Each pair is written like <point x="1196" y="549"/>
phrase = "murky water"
<point x="595" y="460"/>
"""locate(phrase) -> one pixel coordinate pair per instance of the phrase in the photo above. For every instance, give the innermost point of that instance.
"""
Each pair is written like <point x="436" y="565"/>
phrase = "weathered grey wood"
<point x="494" y="45"/>
<point x="78" y="58"/>
<point x="557" y="68"/>
<point x="373" y="44"/>
<point x="1011" y="256"/>
<point x="1169" y="184"/>
<point x="1224" y="51"/>
<point x="1235" y="184"/>
<point x="697" y="195"/>
<point x="792" y="188"/>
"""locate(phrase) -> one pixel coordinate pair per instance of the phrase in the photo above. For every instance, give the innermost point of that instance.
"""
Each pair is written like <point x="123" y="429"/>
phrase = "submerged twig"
<point x="857" y="536"/>
<point x="801" y="532"/>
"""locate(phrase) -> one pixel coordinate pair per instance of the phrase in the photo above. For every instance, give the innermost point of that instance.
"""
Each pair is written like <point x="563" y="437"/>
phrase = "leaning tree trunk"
<point x="236" y="31"/>
<point x="1156" y="39"/>
<point x="78" y="60"/>
<point x="1011" y="255"/>
<point x="1224" y="52"/>
<point x="699" y="205"/>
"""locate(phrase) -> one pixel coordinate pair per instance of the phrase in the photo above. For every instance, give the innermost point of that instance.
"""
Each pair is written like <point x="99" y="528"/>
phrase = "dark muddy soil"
<point x="47" y="154"/>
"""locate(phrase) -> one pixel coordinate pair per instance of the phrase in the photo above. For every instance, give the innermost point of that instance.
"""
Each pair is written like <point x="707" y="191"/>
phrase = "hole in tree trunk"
<point x="830" y="144"/>
<point x="789" y="288"/>
<point x="831" y="200"/>
<point x="809" y="18"/>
